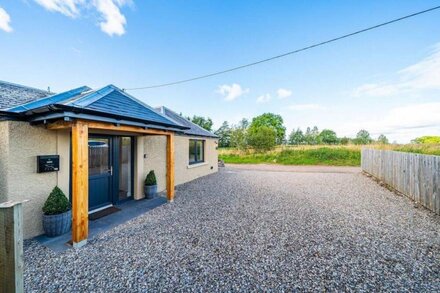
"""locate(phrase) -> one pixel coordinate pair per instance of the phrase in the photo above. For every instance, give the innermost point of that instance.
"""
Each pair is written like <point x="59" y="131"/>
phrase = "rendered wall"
<point x="23" y="182"/>
<point x="4" y="152"/>
<point x="155" y="150"/>
<point x="184" y="172"/>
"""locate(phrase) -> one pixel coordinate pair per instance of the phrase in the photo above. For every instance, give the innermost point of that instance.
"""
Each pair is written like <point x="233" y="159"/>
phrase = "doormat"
<point x="103" y="213"/>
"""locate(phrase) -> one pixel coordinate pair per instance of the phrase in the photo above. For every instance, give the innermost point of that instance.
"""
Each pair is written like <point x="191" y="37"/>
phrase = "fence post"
<point x="11" y="247"/>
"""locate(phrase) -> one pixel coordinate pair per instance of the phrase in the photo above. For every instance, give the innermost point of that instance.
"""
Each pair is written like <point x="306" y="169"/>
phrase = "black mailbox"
<point x="48" y="163"/>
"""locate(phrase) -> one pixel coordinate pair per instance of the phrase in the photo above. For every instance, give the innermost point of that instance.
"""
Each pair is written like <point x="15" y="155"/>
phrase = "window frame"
<point x="196" y="159"/>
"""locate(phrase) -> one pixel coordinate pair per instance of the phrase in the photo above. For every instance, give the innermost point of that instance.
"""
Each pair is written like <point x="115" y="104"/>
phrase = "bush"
<point x="150" y="179"/>
<point x="427" y="140"/>
<point x="56" y="203"/>
<point x="262" y="138"/>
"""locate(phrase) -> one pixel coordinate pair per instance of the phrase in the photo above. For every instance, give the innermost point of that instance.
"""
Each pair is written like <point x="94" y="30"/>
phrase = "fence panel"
<point x="417" y="176"/>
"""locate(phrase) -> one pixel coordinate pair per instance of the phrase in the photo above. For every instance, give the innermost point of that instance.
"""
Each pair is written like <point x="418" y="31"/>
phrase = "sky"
<point x="385" y="81"/>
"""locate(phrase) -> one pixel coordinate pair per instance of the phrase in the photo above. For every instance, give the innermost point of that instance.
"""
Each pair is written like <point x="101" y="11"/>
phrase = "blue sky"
<point x="386" y="81"/>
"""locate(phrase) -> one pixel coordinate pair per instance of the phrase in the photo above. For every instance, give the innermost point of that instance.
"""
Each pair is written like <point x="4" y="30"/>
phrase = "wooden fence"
<point x="11" y="247"/>
<point x="417" y="176"/>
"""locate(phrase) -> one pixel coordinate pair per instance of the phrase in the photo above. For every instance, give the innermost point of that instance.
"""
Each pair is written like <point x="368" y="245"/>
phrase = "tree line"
<point x="266" y="131"/>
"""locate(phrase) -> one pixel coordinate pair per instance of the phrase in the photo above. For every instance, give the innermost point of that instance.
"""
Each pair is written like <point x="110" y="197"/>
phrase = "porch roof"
<point x="108" y="104"/>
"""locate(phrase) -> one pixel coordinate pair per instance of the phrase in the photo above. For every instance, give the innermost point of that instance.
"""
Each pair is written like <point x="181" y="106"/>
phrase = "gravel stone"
<point x="251" y="230"/>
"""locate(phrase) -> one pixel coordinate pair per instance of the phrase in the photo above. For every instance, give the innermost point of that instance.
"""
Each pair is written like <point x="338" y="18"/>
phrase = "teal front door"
<point x="100" y="172"/>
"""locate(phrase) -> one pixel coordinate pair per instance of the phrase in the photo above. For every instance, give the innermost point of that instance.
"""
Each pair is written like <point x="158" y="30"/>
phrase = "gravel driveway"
<point x="253" y="230"/>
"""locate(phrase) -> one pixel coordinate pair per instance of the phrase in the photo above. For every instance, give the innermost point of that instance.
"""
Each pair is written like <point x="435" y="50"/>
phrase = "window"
<point x="196" y="151"/>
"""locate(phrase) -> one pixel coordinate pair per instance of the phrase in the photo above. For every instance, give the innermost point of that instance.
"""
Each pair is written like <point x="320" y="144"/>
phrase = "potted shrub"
<point x="150" y="187"/>
<point x="57" y="217"/>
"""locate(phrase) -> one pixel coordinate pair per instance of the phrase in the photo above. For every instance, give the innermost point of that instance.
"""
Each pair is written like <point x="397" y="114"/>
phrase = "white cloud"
<point x="402" y="123"/>
<point x="69" y="8"/>
<point x="5" y="19"/>
<point x="376" y="90"/>
<point x="303" y="107"/>
<point x="112" y="21"/>
<point x="283" y="93"/>
<point x="424" y="75"/>
<point x="231" y="92"/>
<point x="414" y="116"/>
<point x="264" y="98"/>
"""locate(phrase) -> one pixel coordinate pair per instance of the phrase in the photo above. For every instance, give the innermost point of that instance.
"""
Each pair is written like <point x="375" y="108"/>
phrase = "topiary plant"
<point x="56" y="203"/>
<point x="150" y="179"/>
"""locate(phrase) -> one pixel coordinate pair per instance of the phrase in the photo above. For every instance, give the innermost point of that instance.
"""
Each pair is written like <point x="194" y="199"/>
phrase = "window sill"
<point x="197" y="165"/>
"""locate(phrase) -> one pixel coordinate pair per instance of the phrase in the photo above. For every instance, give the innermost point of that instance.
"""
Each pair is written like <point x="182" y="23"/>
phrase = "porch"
<point x="80" y="134"/>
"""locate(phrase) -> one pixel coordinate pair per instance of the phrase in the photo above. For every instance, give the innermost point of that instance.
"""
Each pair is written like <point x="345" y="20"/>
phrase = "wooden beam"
<point x="107" y="126"/>
<point x="80" y="183"/>
<point x="60" y="124"/>
<point x="170" y="167"/>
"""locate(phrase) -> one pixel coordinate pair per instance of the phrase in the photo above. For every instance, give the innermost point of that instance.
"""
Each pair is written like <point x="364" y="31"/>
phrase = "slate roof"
<point x="12" y="94"/>
<point x="194" y="129"/>
<point x="109" y="104"/>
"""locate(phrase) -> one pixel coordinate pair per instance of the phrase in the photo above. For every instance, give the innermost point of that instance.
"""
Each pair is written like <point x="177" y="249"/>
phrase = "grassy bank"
<point x="316" y="155"/>
<point x="332" y="156"/>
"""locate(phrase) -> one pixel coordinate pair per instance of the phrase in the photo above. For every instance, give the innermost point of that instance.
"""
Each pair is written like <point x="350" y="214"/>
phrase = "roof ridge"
<point x="165" y="115"/>
<point x="182" y="117"/>
<point x="55" y="98"/>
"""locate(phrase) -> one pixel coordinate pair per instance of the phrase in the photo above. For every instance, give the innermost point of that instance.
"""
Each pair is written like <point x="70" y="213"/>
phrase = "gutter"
<point x="5" y="115"/>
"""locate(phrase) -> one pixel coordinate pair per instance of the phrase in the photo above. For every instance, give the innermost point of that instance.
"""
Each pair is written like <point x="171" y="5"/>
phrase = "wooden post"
<point x="11" y="247"/>
<point x="170" y="167"/>
<point x="80" y="183"/>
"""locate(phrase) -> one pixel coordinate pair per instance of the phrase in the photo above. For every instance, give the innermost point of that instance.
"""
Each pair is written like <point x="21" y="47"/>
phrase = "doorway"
<point x="111" y="168"/>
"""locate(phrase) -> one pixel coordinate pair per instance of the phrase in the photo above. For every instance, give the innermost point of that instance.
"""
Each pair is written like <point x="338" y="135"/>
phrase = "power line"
<point x="285" y="54"/>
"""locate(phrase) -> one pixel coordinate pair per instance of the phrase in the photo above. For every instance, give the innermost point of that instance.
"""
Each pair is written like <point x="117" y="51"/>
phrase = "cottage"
<point x="106" y="142"/>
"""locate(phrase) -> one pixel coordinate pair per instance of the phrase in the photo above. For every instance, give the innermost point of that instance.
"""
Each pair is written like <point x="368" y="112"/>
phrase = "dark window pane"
<point x="192" y="151"/>
<point x="98" y="156"/>
<point x="200" y="151"/>
<point x="125" y="162"/>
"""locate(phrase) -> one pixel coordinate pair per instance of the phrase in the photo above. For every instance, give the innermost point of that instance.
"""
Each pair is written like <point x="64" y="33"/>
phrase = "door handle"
<point x="110" y="170"/>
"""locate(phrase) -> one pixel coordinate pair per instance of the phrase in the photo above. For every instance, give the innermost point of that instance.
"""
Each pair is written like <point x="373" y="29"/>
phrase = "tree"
<point x="262" y="138"/>
<point x="273" y="121"/>
<point x="382" y="139"/>
<point x="296" y="137"/>
<point x="239" y="135"/>
<point x="345" y="140"/>
<point x="203" y="122"/>
<point x="243" y="124"/>
<point x="363" y="137"/>
<point x="311" y="136"/>
<point x="224" y="135"/>
<point x="427" y="140"/>
<point x="328" y="136"/>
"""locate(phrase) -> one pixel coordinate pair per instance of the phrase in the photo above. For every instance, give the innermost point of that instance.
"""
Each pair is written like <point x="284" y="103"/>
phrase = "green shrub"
<point x="56" y="203"/>
<point x="150" y="179"/>
<point x="262" y="138"/>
